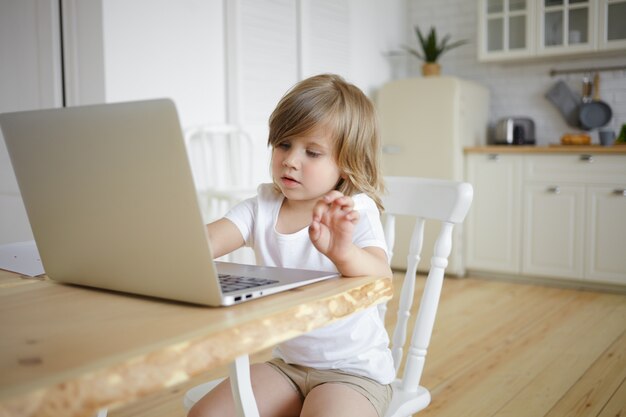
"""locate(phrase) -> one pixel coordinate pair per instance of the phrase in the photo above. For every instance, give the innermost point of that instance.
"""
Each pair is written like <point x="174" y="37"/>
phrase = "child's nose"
<point x="291" y="159"/>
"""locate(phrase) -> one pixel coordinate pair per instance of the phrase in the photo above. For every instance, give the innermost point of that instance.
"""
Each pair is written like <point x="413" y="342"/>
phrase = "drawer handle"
<point x="554" y="190"/>
<point x="586" y="158"/>
<point x="619" y="191"/>
<point x="493" y="157"/>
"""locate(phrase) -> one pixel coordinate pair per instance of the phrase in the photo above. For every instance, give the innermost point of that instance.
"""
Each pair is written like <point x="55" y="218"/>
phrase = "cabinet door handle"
<point x="620" y="191"/>
<point x="493" y="157"/>
<point x="586" y="158"/>
<point x="554" y="190"/>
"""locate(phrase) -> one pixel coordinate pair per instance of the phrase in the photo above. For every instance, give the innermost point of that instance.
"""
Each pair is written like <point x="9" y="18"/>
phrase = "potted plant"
<point x="621" y="138"/>
<point x="431" y="50"/>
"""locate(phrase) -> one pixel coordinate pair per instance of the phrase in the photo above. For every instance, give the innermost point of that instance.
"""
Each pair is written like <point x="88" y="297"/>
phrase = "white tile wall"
<point x="517" y="88"/>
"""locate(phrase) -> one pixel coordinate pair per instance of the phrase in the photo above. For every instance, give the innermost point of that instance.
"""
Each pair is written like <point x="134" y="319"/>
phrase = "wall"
<point x="517" y="88"/>
<point x="175" y="51"/>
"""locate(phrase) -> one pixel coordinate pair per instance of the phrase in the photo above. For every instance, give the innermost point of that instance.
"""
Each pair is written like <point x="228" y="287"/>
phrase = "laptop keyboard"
<point x="230" y="283"/>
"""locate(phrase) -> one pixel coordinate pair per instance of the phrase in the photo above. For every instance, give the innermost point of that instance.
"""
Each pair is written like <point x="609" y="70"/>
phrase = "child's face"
<point x="304" y="167"/>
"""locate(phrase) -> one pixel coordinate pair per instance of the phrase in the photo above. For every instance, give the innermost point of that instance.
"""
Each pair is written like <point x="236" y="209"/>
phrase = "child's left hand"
<point x="333" y="222"/>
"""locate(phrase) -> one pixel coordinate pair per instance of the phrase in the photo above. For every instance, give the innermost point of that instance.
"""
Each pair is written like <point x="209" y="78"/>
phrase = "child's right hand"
<point x="334" y="219"/>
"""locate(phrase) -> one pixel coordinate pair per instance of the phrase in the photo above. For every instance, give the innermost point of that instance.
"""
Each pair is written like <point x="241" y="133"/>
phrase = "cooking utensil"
<point x="593" y="112"/>
<point x="566" y="101"/>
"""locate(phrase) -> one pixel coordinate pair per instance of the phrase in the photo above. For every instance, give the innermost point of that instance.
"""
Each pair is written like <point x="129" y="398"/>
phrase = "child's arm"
<point x="334" y="219"/>
<point x="224" y="237"/>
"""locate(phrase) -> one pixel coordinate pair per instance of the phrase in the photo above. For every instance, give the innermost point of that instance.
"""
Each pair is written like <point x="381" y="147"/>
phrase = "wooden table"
<point x="68" y="351"/>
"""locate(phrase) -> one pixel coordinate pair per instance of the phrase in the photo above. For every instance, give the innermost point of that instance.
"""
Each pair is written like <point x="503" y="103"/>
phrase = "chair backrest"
<point x="446" y="202"/>
<point x="221" y="158"/>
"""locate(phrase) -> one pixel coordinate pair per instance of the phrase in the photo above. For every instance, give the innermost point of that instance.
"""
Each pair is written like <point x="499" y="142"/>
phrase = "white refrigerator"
<point x="425" y="124"/>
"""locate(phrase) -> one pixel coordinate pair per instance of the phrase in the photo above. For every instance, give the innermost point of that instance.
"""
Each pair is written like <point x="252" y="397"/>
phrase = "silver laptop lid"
<point x="101" y="185"/>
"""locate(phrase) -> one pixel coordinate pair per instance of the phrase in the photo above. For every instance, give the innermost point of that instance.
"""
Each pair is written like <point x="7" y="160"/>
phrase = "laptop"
<point x="112" y="204"/>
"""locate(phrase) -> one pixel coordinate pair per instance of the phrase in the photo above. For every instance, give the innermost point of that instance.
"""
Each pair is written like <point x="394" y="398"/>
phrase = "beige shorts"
<point x="304" y="379"/>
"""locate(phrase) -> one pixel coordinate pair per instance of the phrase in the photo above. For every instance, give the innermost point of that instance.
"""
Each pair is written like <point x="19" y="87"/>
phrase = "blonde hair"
<point x="329" y="101"/>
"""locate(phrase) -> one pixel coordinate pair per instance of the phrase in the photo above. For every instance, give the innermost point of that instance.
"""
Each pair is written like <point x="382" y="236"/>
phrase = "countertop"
<point x="592" y="149"/>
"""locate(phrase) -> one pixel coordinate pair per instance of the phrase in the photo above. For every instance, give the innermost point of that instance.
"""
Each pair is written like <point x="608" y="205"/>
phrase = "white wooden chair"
<point x="221" y="158"/>
<point x="446" y="202"/>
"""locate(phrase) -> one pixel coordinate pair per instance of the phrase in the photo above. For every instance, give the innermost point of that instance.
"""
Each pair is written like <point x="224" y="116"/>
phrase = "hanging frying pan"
<point x="593" y="112"/>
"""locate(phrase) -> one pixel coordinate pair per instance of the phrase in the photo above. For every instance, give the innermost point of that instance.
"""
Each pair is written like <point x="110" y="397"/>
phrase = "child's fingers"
<point x="331" y="196"/>
<point x="314" y="231"/>
<point x="337" y="198"/>
<point x="320" y="209"/>
<point x="353" y="216"/>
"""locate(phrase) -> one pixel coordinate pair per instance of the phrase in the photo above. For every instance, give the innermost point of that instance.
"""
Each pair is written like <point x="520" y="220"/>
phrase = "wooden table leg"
<point x="245" y="404"/>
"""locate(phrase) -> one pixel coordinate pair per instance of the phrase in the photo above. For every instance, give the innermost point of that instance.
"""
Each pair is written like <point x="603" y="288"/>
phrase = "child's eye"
<point x="313" y="154"/>
<point x="283" y="145"/>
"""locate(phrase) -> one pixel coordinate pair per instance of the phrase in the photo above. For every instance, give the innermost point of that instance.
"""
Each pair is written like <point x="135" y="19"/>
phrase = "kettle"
<point x="515" y="131"/>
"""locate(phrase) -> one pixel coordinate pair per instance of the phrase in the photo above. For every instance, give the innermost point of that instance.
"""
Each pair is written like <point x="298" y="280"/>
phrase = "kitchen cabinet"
<point x="553" y="226"/>
<point x="566" y="26"/>
<point x="612" y="30"/>
<point x="493" y="226"/>
<point x="566" y="214"/>
<point x="606" y="234"/>
<point x="506" y="28"/>
<point x="515" y="29"/>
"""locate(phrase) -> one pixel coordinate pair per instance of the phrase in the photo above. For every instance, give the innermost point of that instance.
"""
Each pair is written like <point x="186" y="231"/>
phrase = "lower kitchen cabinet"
<point x="606" y="234"/>
<point x="554" y="219"/>
<point x="493" y="226"/>
<point x="560" y="216"/>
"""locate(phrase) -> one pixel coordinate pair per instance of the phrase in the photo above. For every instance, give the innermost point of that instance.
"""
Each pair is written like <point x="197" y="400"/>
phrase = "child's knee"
<point x="217" y="403"/>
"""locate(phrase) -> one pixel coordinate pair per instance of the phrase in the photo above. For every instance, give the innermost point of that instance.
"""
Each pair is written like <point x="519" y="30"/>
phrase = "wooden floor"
<point x="503" y="349"/>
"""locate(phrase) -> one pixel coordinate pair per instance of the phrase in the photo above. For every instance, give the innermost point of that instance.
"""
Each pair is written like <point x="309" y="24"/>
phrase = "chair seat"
<point x="404" y="404"/>
<point x="193" y="395"/>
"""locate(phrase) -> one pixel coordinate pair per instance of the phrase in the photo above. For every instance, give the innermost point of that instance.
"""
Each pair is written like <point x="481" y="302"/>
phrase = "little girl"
<point x="321" y="212"/>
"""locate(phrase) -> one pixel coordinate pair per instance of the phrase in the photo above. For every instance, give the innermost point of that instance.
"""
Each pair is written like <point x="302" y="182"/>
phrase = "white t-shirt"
<point x="358" y="344"/>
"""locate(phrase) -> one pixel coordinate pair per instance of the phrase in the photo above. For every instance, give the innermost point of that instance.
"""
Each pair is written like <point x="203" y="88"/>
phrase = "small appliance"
<point x="515" y="131"/>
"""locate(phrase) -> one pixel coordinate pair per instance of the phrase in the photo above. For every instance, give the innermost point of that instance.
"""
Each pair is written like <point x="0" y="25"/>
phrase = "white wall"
<point x="164" y="48"/>
<point x="517" y="88"/>
<point x="377" y="27"/>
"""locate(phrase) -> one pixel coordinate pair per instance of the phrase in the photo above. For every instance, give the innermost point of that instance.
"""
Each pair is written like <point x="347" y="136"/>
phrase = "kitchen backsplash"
<point x="517" y="88"/>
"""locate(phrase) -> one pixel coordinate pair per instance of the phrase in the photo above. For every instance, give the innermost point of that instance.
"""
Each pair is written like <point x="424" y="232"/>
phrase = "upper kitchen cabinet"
<point x="612" y="28"/>
<point x="506" y="29"/>
<point x="517" y="29"/>
<point x="566" y="26"/>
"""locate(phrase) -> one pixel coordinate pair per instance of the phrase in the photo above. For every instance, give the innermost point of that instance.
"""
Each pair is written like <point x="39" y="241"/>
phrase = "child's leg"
<point x="274" y="395"/>
<point x="337" y="400"/>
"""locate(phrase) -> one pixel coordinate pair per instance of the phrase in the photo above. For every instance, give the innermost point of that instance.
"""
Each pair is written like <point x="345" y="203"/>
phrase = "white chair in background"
<point x="442" y="201"/>
<point x="222" y="163"/>
<point x="221" y="158"/>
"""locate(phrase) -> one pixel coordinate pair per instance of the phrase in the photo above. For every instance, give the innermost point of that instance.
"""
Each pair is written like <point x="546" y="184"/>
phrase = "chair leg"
<point x="245" y="404"/>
